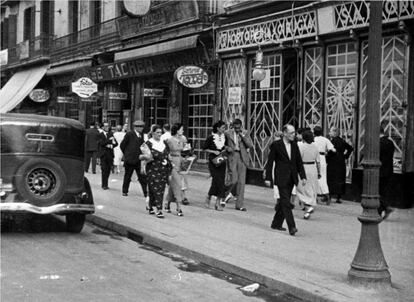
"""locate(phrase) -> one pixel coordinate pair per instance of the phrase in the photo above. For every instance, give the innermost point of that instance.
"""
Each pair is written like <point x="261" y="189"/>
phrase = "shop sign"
<point x="234" y="96"/>
<point x="268" y="32"/>
<point x="136" y="8"/>
<point x="66" y="99"/>
<point x="164" y="15"/>
<point x="191" y="76"/>
<point x="118" y="95"/>
<point x="356" y="13"/>
<point x="84" y="87"/>
<point x="147" y="66"/>
<point x="39" y="95"/>
<point x="90" y="99"/>
<point x="153" y="92"/>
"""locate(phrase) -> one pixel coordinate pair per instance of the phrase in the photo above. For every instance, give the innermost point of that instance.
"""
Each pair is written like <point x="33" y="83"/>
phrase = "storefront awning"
<point x="158" y="49"/>
<point x="19" y="86"/>
<point x="55" y="70"/>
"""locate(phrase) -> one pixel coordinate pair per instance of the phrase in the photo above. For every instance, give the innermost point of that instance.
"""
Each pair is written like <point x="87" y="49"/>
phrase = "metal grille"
<point x="393" y="93"/>
<point x="234" y="75"/>
<point x="289" y="114"/>
<point x="340" y="92"/>
<point x="200" y="121"/>
<point x="265" y="111"/>
<point x="312" y="106"/>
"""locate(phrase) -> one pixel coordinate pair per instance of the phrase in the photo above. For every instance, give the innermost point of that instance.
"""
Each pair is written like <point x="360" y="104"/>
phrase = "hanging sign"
<point x="84" y="87"/>
<point x="191" y="76"/>
<point x="153" y="92"/>
<point x="39" y="95"/>
<point x="118" y="95"/>
<point x="234" y="96"/>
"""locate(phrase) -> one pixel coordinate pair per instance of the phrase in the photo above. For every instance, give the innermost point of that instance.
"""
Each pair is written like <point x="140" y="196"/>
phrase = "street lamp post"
<point x="369" y="266"/>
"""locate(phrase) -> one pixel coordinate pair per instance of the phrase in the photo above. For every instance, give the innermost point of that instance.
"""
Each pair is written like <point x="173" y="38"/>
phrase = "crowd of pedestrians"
<point x="302" y="166"/>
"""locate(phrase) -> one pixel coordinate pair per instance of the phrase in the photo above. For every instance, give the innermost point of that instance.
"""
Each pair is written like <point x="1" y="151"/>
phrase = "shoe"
<point x="160" y="214"/>
<point x="241" y="209"/>
<point x="218" y="208"/>
<point x="105" y="188"/>
<point x="278" y="228"/>
<point x="310" y="210"/>
<point x="293" y="231"/>
<point x="388" y="211"/>
<point x="222" y="203"/>
<point x="306" y="215"/>
<point x="150" y="210"/>
<point x="180" y="213"/>
<point x="185" y="202"/>
<point x="167" y="208"/>
<point x="124" y="194"/>
<point x="228" y="197"/>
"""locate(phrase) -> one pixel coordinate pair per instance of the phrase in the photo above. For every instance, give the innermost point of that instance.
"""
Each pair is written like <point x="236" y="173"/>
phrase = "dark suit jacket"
<point x="285" y="168"/>
<point x="105" y="140"/>
<point x="91" y="139"/>
<point x="387" y="149"/>
<point x="130" y="147"/>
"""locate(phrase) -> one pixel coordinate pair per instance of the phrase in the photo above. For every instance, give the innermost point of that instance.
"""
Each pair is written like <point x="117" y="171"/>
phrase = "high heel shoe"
<point x="180" y="213"/>
<point x="167" y="208"/>
<point x="217" y="206"/>
<point x="150" y="210"/>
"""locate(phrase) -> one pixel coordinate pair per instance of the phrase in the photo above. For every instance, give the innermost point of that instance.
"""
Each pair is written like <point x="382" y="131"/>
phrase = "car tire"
<point x="75" y="222"/>
<point x="41" y="181"/>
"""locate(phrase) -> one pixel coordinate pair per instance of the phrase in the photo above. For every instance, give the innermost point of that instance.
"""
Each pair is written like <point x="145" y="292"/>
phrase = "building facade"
<point x="315" y="64"/>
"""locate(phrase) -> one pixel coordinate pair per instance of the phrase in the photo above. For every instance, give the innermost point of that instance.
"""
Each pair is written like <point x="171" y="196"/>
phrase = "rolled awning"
<point x="55" y="70"/>
<point x="158" y="49"/>
<point x="19" y="86"/>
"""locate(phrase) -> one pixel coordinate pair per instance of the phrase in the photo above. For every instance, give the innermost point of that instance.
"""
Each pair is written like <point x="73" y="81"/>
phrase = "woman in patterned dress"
<point x="158" y="169"/>
<point x="214" y="145"/>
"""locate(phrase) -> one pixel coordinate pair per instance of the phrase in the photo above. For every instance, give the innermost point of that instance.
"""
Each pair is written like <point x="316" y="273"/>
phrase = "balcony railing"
<point x="30" y="51"/>
<point x="87" y="40"/>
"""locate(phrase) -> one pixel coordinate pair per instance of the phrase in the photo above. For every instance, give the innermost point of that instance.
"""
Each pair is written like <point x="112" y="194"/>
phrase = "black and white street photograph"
<point x="207" y="150"/>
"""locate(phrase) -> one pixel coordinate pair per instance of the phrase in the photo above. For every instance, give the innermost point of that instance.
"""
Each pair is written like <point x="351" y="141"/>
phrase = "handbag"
<point x="219" y="160"/>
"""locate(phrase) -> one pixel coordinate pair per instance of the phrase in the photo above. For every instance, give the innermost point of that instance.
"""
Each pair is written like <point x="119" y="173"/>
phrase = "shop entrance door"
<point x="156" y="110"/>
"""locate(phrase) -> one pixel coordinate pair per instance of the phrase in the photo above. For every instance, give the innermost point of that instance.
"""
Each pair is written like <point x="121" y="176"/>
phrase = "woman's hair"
<point x="217" y="125"/>
<point x="118" y="127"/>
<point x="175" y="128"/>
<point x="317" y="131"/>
<point x="155" y="127"/>
<point x="307" y="136"/>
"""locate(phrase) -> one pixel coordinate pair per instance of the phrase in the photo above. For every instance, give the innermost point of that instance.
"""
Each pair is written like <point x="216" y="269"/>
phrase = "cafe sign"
<point x="153" y="92"/>
<point x="84" y="87"/>
<point x="191" y="76"/>
<point x="39" y="95"/>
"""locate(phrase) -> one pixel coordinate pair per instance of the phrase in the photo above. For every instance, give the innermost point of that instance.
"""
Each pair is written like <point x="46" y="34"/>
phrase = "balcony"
<point x="30" y="51"/>
<point x="86" y="42"/>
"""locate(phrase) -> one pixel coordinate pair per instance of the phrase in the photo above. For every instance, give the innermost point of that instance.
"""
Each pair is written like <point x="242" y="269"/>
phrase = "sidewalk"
<point x="312" y="265"/>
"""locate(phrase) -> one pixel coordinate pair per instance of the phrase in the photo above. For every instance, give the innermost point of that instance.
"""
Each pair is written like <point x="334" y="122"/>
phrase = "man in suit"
<point x="91" y="147"/>
<point x="130" y="147"/>
<point x="107" y="143"/>
<point x="285" y="155"/>
<point x="238" y="142"/>
<point x="387" y="149"/>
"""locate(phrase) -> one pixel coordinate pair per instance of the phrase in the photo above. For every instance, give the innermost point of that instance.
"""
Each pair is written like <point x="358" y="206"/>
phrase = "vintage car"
<point x="42" y="168"/>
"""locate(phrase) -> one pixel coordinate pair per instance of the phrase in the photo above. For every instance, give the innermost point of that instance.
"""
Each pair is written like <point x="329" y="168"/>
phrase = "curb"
<point x="143" y="238"/>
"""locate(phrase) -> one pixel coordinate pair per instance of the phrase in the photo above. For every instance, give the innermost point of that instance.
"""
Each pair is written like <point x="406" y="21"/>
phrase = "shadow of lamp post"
<point x="369" y="266"/>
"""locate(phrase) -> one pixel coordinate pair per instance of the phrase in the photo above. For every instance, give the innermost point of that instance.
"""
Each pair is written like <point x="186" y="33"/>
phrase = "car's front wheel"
<point x="75" y="222"/>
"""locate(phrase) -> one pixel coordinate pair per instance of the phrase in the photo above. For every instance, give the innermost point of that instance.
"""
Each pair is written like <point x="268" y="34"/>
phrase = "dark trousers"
<point x="129" y="170"/>
<point x="106" y="164"/>
<point x="90" y="155"/>
<point x="383" y="185"/>
<point x="284" y="207"/>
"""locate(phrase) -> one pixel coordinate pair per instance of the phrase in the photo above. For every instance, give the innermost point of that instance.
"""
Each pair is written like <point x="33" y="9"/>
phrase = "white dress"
<point x="310" y="156"/>
<point x="324" y="145"/>
<point x="119" y="136"/>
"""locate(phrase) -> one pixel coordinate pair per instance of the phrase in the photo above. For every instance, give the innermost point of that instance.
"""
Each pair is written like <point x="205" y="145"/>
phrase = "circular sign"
<point x="136" y="8"/>
<point x="84" y="87"/>
<point x="39" y="95"/>
<point x="191" y="76"/>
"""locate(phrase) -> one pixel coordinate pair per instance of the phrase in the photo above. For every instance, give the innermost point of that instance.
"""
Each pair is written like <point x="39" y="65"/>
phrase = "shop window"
<point x="265" y="110"/>
<point x="394" y="91"/>
<point x="200" y="121"/>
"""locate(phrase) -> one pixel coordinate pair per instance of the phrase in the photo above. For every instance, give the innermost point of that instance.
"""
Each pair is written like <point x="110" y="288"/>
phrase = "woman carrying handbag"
<point x="215" y="146"/>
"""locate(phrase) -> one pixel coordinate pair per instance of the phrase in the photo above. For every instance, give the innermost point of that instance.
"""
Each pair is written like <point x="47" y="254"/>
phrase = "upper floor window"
<point x="96" y="12"/>
<point x="28" y="25"/>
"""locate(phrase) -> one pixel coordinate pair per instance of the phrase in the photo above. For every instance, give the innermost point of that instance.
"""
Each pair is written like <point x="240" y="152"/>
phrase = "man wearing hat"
<point x="130" y="147"/>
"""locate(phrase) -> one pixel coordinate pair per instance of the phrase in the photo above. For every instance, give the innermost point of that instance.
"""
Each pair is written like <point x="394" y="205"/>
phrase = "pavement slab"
<point x="312" y="265"/>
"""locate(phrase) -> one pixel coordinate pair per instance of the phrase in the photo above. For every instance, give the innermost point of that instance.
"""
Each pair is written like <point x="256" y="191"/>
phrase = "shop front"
<point x="315" y="74"/>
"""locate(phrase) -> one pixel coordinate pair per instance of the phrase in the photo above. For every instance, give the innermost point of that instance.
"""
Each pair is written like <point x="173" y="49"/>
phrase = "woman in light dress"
<point x="119" y="136"/>
<point x="311" y="159"/>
